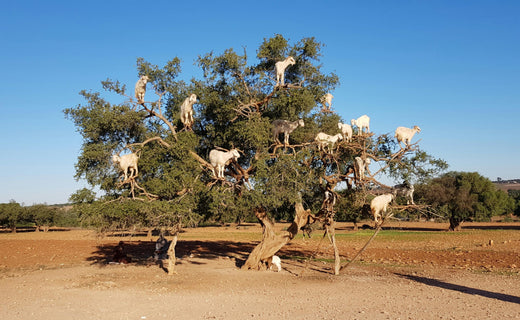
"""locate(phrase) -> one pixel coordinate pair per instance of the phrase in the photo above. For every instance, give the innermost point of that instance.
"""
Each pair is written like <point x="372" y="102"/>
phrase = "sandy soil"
<point x="410" y="271"/>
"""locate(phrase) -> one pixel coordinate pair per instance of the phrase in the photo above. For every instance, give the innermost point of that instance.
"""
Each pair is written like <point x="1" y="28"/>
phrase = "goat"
<point x="161" y="248"/>
<point x="360" y="166"/>
<point x="287" y="127"/>
<point x="187" y="110"/>
<point x="280" y="67"/>
<point x="379" y="205"/>
<point x="361" y="122"/>
<point x="307" y="230"/>
<point x="405" y="134"/>
<point x="324" y="139"/>
<point x="406" y="190"/>
<point x="346" y="130"/>
<point x="127" y="163"/>
<point x="219" y="159"/>
<point x="277" y="262"/>
<point x="140" y="88"/>
<point x="119" y="255"/>
<point x="326" y="101"/>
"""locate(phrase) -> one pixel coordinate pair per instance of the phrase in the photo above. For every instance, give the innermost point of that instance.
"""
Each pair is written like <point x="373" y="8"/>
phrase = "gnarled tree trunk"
<point x="171" y="252"/>
<point x="271" y="242"/>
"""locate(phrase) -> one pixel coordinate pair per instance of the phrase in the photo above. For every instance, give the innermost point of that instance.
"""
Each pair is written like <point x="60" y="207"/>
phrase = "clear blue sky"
<point x="451" y="66"/>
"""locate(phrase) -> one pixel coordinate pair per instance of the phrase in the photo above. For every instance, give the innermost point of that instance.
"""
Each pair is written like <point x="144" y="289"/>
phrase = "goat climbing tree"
<point x="238" y="100"/>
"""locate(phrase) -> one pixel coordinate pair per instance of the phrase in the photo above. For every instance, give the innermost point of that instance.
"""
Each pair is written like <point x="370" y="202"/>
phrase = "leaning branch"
<point x="159" y="115"/>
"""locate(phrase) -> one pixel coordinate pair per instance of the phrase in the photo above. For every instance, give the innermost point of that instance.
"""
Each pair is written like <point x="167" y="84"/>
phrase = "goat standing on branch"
<point x="361" y="122"/>
<point x="346" y="130"/>
<point x="280" y="67"/>
<point x="140" y="88"/>
<point x="360" y="166"/>
<point x="127" y="163"/>
<point x="379" y="206"/>
<point x="406" y="190"/>
<point x="324" y="139"/>
<point x="219" y="159"/>
<point x="287" y="127"/>
<point x="405" y="134"/>
<point x="326" y="101"/>
<point x="187" y="111"/>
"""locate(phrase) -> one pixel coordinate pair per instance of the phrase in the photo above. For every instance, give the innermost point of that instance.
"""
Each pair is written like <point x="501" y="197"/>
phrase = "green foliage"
<point x="515" y="195"/>
<point x="465" y="196"/>
<point x="83" y="195"/>
<point x="42" y="215"/>
<point x="237" y="103"/>
<point x="11" y="214"/>
<point x="126" y="214"/>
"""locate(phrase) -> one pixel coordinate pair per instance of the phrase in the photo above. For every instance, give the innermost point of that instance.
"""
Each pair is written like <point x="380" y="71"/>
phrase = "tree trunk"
<point x="455" y="225"/>
<point x="171" y="255"/>
<point x="271" y="242"/>
<point x="331" y="233"/>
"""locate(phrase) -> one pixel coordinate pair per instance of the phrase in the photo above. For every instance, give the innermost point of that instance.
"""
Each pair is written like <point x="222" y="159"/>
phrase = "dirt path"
<point x="64" y="276"/>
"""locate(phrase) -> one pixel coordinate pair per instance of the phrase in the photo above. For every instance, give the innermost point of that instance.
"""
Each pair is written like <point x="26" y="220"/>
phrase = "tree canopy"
<point x="465" y="196"/>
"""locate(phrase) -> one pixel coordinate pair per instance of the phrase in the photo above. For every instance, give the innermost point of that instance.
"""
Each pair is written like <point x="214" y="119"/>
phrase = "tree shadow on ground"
<point x="490" y="227"/>
<point x="462" y="289"/>
<point x="33" y="229"/>
<point x="142" y="252"/>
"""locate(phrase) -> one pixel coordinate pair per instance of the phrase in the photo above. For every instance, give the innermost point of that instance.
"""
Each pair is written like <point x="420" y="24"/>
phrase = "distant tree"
<point x="82" y="196"/>
<point x="11" y="214"/>
<point x="42" y="215"/>
<point x="464" y="196"/>
<point x="515" y="195"/>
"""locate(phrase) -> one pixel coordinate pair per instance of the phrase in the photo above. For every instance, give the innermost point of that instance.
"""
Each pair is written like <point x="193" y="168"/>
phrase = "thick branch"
<point x="271" y="242"/>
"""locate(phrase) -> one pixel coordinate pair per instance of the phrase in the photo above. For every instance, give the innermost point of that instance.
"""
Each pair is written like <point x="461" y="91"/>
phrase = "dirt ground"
<point x="410" y="271"/>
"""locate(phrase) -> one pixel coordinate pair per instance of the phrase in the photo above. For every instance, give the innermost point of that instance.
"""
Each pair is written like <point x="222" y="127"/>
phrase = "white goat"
<point x="140" y="88"/>
<point x="346" y="130"/>
<point x="405" y="134"/>
<point x="219" y="159"/>
<point x="287" y="127"/>
<point x="187" y="110"/>
<point x="324" y="139"/>
<point x="326" y="101"/>
<point x="379" y="205"/>
<point x="361" y="122"/>
<point x="127" y="163"/>
<point x="277" y="262"/>
<point x="360" y="166"/>
<point x="280" y="67"/>
<point x="406" y="190"/>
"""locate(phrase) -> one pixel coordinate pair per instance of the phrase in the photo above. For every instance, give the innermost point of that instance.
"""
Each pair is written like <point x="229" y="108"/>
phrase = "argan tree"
<point x="465" y="196"/>
<point x="238" y="101"/>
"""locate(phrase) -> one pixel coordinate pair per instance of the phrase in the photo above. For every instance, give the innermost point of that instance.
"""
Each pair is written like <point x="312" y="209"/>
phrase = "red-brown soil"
<point x="410" y="271"/>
